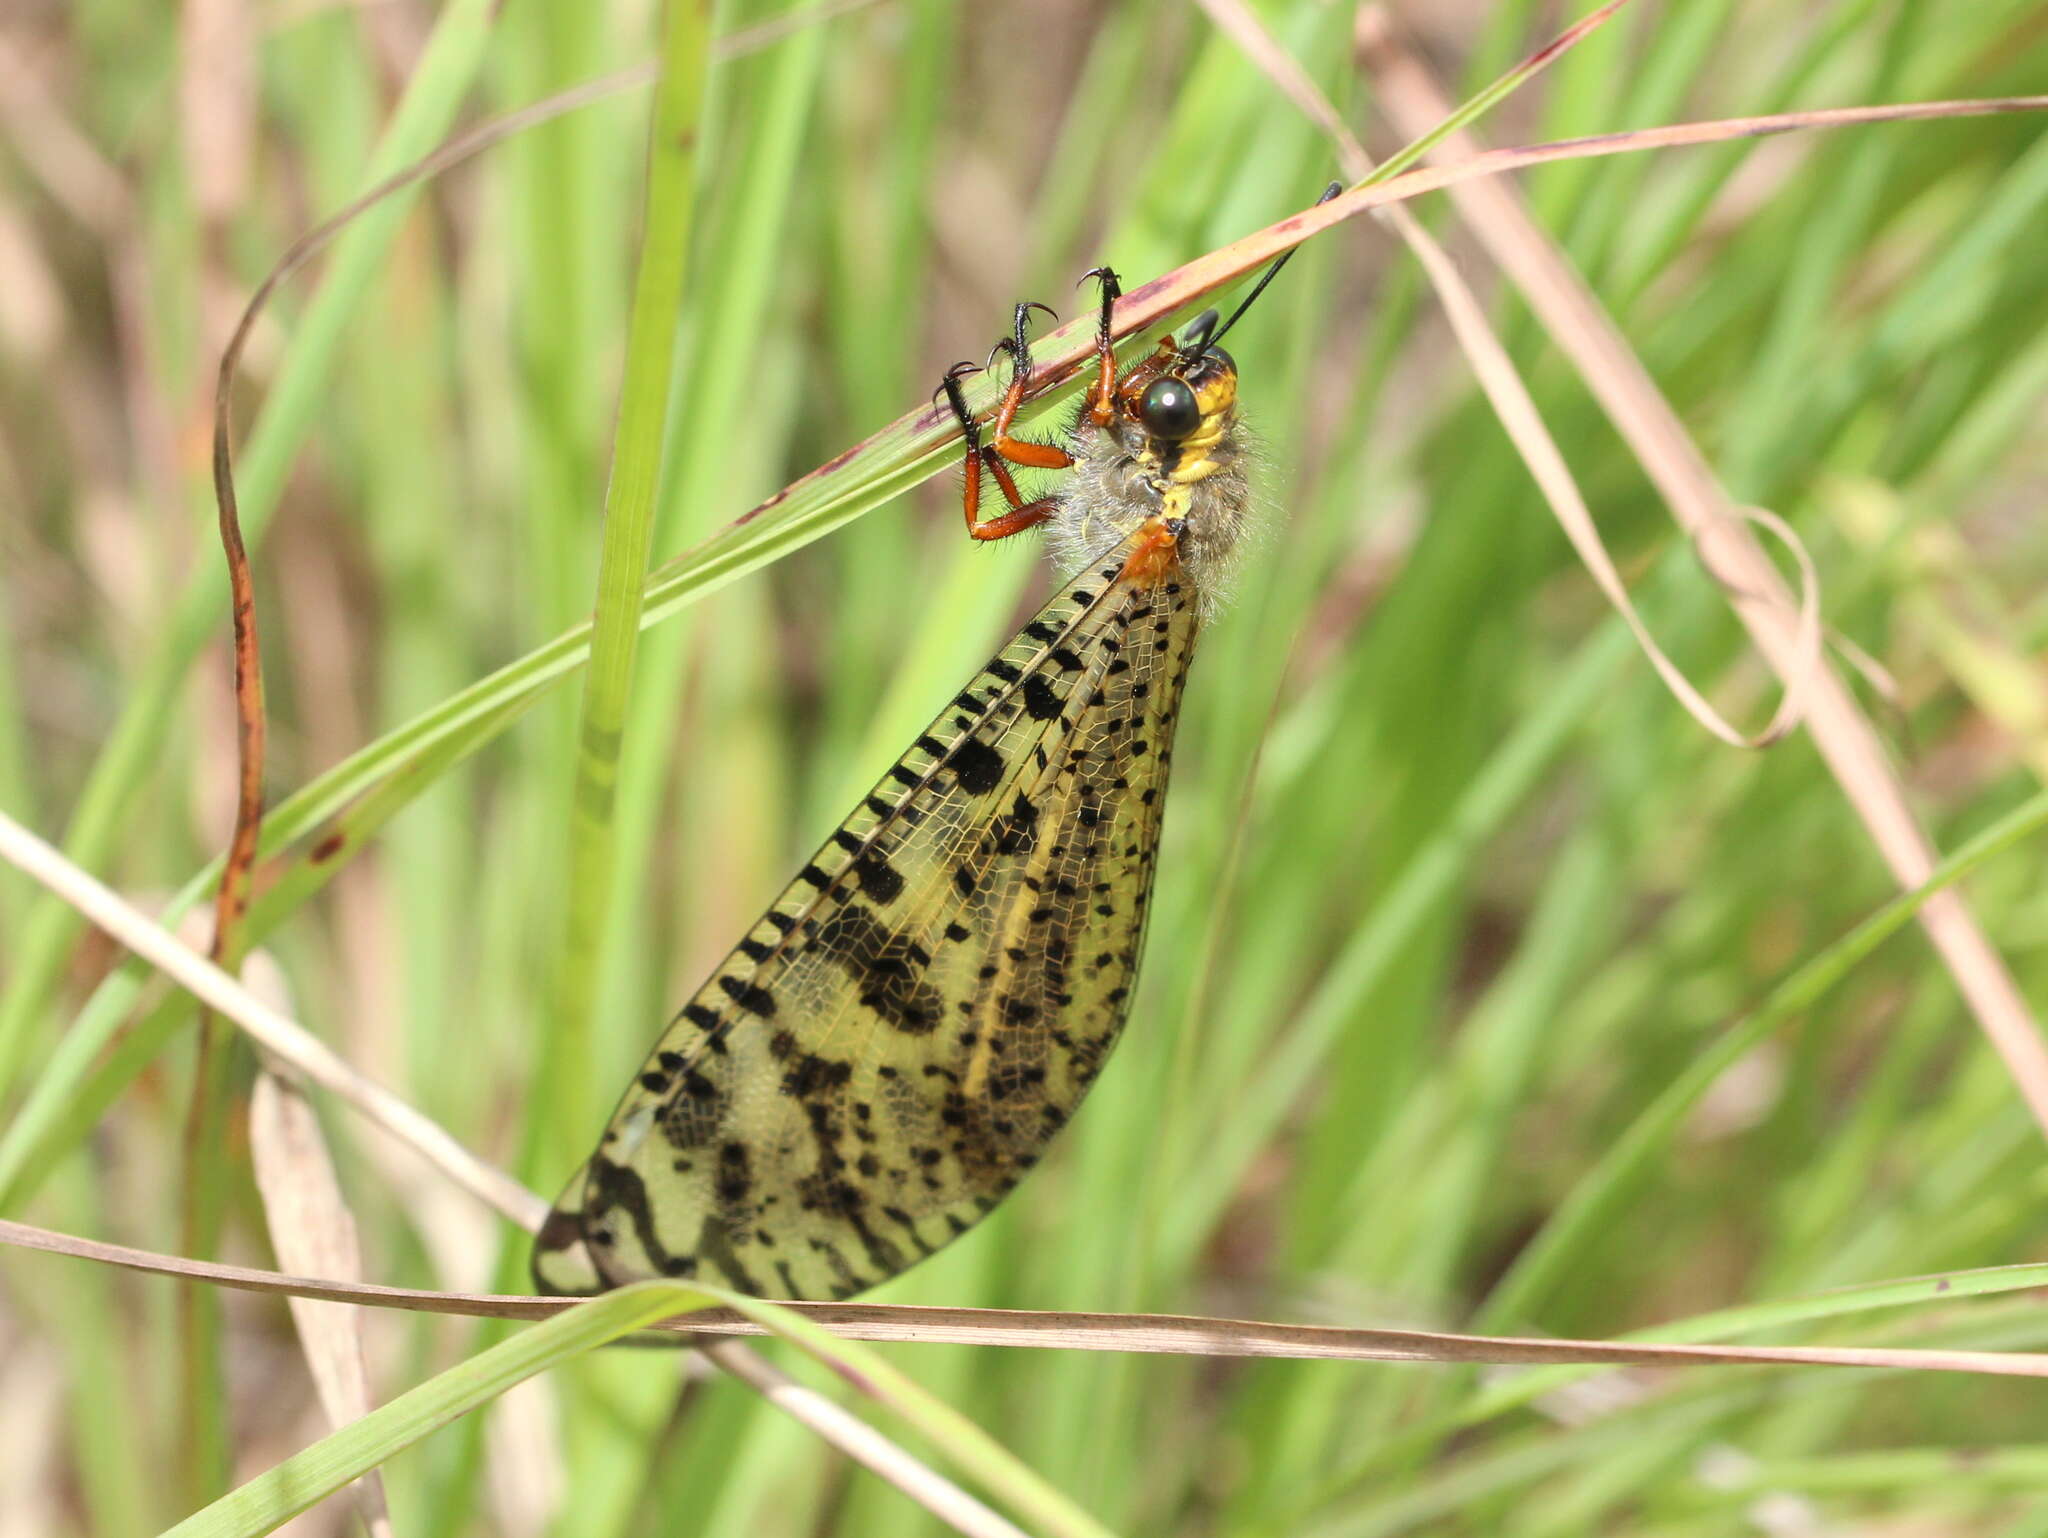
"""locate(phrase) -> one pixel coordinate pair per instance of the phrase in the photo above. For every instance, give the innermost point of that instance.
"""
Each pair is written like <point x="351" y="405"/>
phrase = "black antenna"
<point x="1272" y="272"/>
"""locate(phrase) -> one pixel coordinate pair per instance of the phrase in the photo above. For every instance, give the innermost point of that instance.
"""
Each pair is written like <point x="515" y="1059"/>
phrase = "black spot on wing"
<point x="1041" y="701"/>
<point x="888" y="968"/>
<point x="751" y="997"/>
<point x="979" y="766"/>
<point x="695" y="1114"/>
<point x="811" y="1075"/>
<point x="879" y="880"/>
<point x="1016" y="831"/>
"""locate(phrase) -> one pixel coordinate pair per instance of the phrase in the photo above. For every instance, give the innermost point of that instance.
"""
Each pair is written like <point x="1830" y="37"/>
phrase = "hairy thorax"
<point x="1122" y="477"/>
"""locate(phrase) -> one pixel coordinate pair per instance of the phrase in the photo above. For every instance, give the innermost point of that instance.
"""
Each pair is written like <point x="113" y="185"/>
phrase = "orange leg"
<point x="1102" y="393"/>
<point x="989" y="458"/>
<point x="982" y="458"/>
<point x="1019" y="451"/>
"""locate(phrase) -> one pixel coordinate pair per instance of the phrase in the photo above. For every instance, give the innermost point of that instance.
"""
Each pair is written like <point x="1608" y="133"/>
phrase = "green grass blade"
<point x="1542" y="1265"/>
<point x="657" y="309"/>
<point x="422" y="119"/>
<point x="328" y="1465"/>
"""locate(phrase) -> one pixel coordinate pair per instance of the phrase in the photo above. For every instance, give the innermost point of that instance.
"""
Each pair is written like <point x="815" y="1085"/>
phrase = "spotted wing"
<point x="896" y="1040"/>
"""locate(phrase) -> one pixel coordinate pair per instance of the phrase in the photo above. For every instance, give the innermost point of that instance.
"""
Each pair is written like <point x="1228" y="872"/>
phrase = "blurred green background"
<point x="1451" y="889"/>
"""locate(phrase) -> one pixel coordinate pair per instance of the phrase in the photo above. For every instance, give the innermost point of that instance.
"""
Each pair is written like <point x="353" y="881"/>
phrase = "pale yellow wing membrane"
<point x="897" y="1039"/>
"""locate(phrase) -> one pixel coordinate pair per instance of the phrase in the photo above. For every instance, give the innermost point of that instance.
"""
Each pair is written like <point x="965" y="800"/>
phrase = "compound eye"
<point x="1169" y="409"/>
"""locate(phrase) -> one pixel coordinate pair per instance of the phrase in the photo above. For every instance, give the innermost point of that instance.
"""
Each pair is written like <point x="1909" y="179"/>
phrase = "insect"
<point x="897" y="1039"/>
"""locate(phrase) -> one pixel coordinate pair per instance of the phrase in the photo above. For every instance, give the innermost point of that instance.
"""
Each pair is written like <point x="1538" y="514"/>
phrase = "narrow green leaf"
<point x="657" y="311"/>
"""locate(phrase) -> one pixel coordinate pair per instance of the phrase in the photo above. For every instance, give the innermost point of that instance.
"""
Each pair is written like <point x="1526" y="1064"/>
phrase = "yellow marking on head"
<point x="1215" y="389"/>
<point x="1213" y="378"/>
